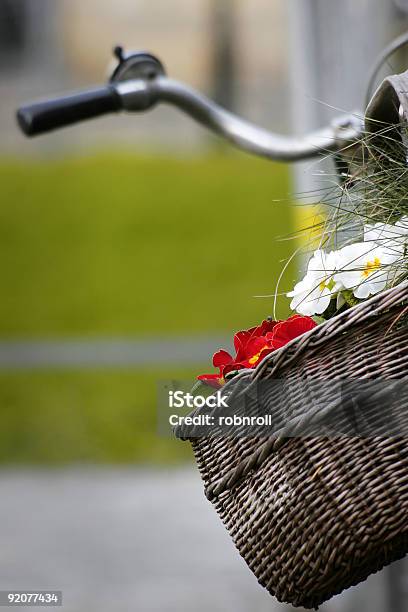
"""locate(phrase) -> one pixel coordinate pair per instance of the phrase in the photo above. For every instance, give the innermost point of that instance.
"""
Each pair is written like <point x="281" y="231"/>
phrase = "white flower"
<point x="314" y="293"/>
<point x="365" y="268"/>
<point x="403" y="224"/>
<point x="392" y="238"/>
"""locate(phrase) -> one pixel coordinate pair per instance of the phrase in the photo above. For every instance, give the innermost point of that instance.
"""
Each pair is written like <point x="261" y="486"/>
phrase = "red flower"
<point x="212" y="380"/>
<point x="285" y="331"/>
<point x="253" y="345"/>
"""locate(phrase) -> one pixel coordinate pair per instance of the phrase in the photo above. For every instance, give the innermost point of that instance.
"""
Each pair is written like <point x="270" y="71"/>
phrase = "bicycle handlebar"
<point x="52" y="114"/>
<point x="126" y="93"/>
<point x="251" y="138"/>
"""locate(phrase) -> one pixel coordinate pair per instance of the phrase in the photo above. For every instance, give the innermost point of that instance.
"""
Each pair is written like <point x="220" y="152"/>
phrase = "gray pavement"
<point x="131" y="540"/>
<point x="118" y="540"/>
<point x="109" y="353"/>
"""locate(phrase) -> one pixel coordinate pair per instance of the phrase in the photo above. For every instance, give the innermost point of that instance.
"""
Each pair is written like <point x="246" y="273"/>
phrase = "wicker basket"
<point x="316" y="515"/>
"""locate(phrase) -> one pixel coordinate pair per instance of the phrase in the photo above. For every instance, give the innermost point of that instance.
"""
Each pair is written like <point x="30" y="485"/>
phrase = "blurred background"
<point x="131" y="248"/>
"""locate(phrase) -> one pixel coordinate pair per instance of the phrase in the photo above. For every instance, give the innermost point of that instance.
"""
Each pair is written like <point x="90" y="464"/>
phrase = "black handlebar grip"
<point x="49" y="115"/>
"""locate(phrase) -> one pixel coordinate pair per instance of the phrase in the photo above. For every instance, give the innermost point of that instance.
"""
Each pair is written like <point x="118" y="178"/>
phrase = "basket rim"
<point x="322" y="333"/>
<point x="331" y="328"/>
<point x="327" y="330"/>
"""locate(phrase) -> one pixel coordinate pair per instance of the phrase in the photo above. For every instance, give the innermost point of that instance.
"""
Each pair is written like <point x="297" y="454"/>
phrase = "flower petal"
<point x="241" y="338"/>
<point x="286" y="331"/>
<point x="212" y="380"/>
<point x="221" y="359"/>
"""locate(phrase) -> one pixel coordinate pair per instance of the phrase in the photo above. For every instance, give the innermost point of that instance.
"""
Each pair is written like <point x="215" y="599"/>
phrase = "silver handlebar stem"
<point x="141" y="94"/>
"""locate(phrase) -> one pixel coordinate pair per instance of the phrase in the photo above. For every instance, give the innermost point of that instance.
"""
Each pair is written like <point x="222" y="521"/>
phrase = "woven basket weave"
<point x="316" y="515"/>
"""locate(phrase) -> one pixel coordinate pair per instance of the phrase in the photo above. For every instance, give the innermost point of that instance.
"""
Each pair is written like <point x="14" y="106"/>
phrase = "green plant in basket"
<point x="362" y="251"/>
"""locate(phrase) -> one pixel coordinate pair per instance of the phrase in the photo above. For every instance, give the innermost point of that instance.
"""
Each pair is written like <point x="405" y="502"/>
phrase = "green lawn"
<point x="92" y="417"/>
<point x="123" y="245"/>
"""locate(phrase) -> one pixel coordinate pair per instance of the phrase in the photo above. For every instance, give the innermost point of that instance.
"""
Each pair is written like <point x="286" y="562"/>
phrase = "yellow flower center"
<point x="327" y="284"/>
<point x="371" y="266"/>
<point x="255" y="358"/>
